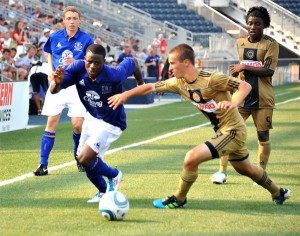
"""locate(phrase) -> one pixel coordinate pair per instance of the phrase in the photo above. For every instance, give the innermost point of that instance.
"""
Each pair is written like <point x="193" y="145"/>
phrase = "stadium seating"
<point x="291" y="5"/>
<point x="169" y="10"/>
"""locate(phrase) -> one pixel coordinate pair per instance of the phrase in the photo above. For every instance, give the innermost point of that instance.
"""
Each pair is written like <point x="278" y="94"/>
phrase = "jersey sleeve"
<point x="271" y="57"/>
<point x="123" y="70"/>
<point x="223" y="82"/>
<point x="169" y="85"/>
<point x="47" y="46"/>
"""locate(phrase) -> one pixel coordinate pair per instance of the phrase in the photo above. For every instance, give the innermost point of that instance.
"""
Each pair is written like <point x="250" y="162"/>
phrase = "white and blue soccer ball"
<point x="114" y="205"/>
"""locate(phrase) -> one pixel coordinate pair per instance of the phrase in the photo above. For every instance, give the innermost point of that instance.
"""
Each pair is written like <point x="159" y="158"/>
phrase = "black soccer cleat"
<point x="41" y="170"/>
<point x="80" y="167"/>
<point x="285" y="193"/>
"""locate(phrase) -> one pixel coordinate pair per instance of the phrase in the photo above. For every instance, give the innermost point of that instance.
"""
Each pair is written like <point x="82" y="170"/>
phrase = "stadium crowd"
<point x="24" y="31"/>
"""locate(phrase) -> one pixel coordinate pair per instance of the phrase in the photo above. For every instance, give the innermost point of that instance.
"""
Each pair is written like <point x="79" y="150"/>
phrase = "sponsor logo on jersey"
<point x="92" y="98"/>
<point x="210" y="106"/>
<point x="252" y="63"/>
<point x="65" y="54"/>
<point x="58" y="45"/>
<point x="105" y="89"/>
<point x="250" y="54"/>
<point x="78" y="46"/>
<point x="81" y="82"/>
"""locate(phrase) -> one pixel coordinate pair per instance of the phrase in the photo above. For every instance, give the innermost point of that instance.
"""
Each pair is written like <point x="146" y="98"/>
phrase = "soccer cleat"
<point x="285" y="193"/>
<point x="113" y="184"/>
<point x="80" y="167"/>
<point x="169" y="203"/>
<point x="219" y="177"/>
<point x="96" y="198"/>
<point x="41" y="170"/>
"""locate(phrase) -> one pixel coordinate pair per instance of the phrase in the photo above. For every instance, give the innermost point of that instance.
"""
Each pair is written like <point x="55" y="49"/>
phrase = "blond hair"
<point x="72" y="9"/>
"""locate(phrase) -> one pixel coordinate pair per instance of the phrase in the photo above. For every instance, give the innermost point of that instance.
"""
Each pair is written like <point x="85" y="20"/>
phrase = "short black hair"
<point x="260" y="12"/>
<point x="97" y="49"/>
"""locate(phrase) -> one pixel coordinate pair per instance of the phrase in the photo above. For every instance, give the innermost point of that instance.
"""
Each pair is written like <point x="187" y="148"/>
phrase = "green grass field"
<point x="56" y="204"/>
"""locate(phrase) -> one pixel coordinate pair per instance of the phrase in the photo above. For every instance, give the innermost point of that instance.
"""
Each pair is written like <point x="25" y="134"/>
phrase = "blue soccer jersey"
<point x="60" y="46"/>
<point x="94" y="95"/>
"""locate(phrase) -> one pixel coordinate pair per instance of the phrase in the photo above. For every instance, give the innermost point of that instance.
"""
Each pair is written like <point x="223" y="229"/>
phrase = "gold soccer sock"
<point x="268" y="184"/>
<point x="187" y="178"/>
<point x="264" y="150"/>
<point x="223" y="164"/>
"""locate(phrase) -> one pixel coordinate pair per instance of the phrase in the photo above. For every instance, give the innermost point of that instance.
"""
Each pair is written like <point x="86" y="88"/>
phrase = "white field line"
<point x="53" y="168"/>
<point x="28" y="175"/>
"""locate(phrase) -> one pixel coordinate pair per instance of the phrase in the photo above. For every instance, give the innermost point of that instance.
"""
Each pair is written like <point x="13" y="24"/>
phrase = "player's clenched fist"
<point x="58" y="75"/>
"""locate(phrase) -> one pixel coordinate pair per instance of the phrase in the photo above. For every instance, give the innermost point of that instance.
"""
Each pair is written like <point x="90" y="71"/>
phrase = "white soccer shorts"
<point x="66" y="98"/>
<point x="98" y="135"/>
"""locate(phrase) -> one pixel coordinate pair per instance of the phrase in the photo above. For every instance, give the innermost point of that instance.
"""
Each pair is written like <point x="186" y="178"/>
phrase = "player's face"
<point x="255" y="27"/>
<point x="177" y="67"/>
<point x="71" y="21"/>
<point x="93" y="64"/>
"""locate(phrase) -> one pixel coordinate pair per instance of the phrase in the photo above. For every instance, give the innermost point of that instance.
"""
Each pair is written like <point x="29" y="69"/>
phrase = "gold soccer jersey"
<point x="205" y="92"/>
<point x="260" y="54"/>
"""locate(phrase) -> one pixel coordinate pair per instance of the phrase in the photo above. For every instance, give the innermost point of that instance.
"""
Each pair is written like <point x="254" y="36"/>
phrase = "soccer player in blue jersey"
<point x="95" y="83"/>
<point x="64" y="46"/>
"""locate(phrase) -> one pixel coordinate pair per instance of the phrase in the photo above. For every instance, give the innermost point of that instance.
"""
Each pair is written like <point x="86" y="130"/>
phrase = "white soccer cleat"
<point x="96" y="198"/>
<point x="113" y="184"/>
<point x="219" y="177"/>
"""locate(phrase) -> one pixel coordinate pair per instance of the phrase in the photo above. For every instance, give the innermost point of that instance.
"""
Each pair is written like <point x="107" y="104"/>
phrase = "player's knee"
<point x="263" y="136"/>
<point x="190" y="161"/>
<point x="76" y="125"/>
<point x="82" y="159"/>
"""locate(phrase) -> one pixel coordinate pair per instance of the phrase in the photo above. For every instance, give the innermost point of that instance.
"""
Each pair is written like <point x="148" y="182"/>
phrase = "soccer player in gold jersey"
<point x="211" y="94"/>
<point x="258" y="56"/>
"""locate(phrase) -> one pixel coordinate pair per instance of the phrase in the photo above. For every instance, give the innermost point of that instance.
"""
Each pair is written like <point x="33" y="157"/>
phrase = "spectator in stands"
<point x="41" y="55"/>
<point x="258" y="55"/>
<point x="3" y="24"/>
<point x="59" y="25"/>
<point x="8" y="67"/>
<point x="99" y="41"/>
<point x="37" y="12"/>
<point x="50" y="20"/>
<point x="163" y="46"/>
<point x="7" y="64"/>
<point x="19" y="34"/>
<point x="152" y="63"/>
<point x="6" y="40"/>
<point x="125" y="53"/>
<point x="64" y="46"/>
<point x="199" y="64"/>
<point x="45" y="36"/>
<point x="13" y="52"/>
<point x="25" y="60"/>
<point x="38" y="76"/>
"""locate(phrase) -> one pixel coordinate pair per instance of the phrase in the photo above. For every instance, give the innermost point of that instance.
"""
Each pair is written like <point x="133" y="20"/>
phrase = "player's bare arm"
<point x="121" y="98"/>
<point x="238" y="97"/>
<point x="259" y="71"/>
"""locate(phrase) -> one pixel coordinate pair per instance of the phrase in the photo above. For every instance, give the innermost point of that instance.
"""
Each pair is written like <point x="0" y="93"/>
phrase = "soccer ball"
<point x="114" y="205"/>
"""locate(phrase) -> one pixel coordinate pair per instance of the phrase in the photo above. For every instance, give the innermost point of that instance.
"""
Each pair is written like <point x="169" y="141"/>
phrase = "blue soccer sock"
<point x="95" y="171"/>
<point x="76" y="138"/>
<point x="97" y="180"/>
<point x="47" y="143"/>
<point x="102" y="168"/>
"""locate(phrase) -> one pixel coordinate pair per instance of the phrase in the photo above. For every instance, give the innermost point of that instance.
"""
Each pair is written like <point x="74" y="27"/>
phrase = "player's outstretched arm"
<point x="119" y="99"/>
<point x="238" y="97"/>
<point x="55" y="80"/>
